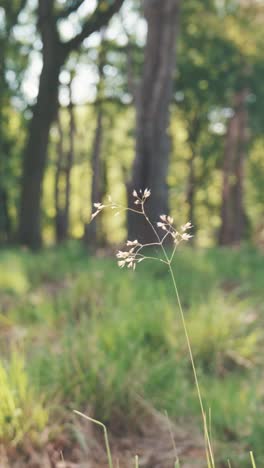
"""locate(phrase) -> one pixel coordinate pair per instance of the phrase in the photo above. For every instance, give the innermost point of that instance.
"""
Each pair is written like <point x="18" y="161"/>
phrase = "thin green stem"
<point x="252" y="460"/>
<point x="168" y="260"/>
<point x="152" y="258"/>
<point x="107" y="445"/>
<point x="192" y="362"/>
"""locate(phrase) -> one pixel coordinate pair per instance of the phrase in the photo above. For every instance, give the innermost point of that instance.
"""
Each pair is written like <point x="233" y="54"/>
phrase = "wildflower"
<point x="135" y="193"/>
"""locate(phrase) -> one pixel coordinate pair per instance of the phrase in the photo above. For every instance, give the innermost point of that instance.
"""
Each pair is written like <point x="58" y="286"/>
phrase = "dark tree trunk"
<point x="5" y="224"/>
<point x="59" y="218"/>
<point x="12" y="10"/>
<point x="63" y="173"/>
<point x="194" y="129"/>
<point x="36" y="150"/>
<point x="191" y="191"/>
<point x="232" y="212"/>
<point x="150" y="167"/>
<point x="4" y="214"/>
<point x="91" y="231"/>
<point x="69" y="164"/>
<point x="44" y="113"/>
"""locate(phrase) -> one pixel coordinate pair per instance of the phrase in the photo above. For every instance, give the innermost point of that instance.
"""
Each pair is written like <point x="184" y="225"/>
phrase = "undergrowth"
<point x="94" y="336"/>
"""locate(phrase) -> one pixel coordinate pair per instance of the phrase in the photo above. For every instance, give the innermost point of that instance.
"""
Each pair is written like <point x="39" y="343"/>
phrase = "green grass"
<point x="94" y="335"/>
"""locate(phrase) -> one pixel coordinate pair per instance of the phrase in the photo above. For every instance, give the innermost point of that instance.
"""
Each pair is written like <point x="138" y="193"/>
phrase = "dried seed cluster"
<point x="166" y="224"/>
<point x="130" y="258"/>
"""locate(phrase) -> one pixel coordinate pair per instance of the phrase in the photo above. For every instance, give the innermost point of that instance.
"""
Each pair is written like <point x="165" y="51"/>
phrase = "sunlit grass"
<point x="22" y="413"/>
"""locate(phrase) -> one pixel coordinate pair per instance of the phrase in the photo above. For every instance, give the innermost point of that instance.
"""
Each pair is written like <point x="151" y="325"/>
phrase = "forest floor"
<point x="78" y="333"/>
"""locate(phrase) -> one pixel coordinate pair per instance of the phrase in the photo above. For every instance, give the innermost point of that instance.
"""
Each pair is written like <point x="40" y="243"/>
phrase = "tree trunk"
<point x="190" y="193"/>
<point x="63" y="173"/>
<point x="5" y="224"/>
<point x="150" y="167"/>
<point x="232" y="211"/>
<point x="4" y="214"/>
<point x="194" y="129"/>
<point x="59" y="228"/>
<point x="36" y="150"/>
<point x="69" y="162"/>
<point x="91" y="235"/>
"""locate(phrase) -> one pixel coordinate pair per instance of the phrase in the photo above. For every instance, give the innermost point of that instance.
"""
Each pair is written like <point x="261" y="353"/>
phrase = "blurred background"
<point x="73" y="76"/>
<point x="98" y="98"/>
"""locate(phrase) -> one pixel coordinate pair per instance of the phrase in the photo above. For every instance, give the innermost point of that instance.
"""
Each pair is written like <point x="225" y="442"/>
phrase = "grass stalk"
<point x="252" y="460"/>
<point x="99" y="423"/>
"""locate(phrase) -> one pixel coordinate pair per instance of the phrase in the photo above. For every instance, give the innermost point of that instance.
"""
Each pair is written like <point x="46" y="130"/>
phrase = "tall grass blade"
<point x="208" y="459"/>
<point x="107" y="445"/>
<point x="253" y="460"/>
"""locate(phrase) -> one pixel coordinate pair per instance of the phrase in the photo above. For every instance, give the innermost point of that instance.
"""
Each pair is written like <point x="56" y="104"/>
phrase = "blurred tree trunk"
<point x="92" y="232"/>
<point x="58" y="173"/>
<point x="44" y="112"/>
<point x="63" y="174"/>
<point x="191" y="189"/>
<point x="233" y="218"/>
<point x="150" y="167"/>
<point x="11" y="10"/>
<point x="194" y="129"/>
<point x="5" y="223"/>
<point x="91" y="229"/>
<point x="54" y="56"/>
<point x="3" y="194"/>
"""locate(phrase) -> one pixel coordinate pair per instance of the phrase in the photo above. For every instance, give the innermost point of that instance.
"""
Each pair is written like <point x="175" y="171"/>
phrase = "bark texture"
<point x="150" y="167"/>
<point x="233" y="219"/>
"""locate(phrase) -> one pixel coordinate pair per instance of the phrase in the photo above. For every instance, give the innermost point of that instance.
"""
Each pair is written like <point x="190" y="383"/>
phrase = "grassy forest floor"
<point x="76" y="332"/>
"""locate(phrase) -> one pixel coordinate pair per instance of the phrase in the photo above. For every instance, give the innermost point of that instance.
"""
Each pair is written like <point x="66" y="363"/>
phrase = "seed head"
<point x="147" y="193"/>
<point x="132" y="243"/>
<point x="186" y="226"/>
<point x="186" y="236"/>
